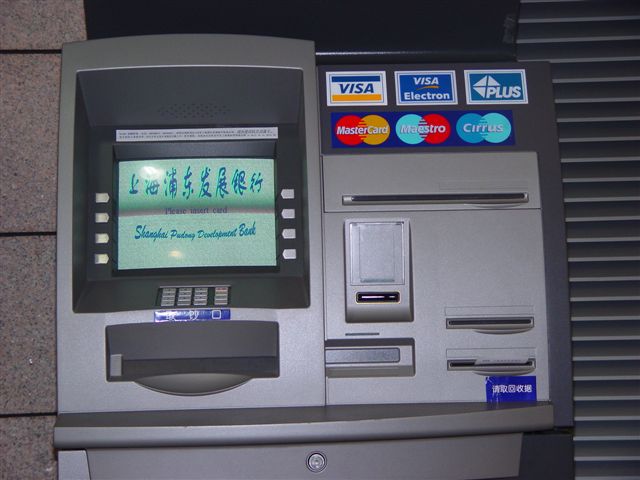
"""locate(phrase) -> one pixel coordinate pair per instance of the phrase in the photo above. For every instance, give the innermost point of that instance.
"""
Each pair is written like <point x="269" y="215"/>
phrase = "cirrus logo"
<point x="431" y="128"/>
<point x="353" y="130"/>
<point x="475" y="128"/>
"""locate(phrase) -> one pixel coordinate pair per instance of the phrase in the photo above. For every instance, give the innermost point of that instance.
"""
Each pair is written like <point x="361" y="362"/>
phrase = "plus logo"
<point x="495" y="86"/>
<point x="487" y="85"/>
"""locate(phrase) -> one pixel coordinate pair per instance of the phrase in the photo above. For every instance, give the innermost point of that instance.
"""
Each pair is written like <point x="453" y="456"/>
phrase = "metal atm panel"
<point x="474" y="268"/>
<point x="105" y="91"/>
<point x="401" y="283"/>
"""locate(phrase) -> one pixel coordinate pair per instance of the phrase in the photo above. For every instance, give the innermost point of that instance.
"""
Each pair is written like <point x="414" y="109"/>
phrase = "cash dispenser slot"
<point x="369" y="358"/>
<point x="498" y="367"/>
<point x="192" y="358"/>
<point x="493" y="198"/>
<point x="492" y="325"/>
<point x="498" y="362"/>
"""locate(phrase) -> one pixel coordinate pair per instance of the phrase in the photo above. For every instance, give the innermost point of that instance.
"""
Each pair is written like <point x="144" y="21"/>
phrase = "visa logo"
<point x="496" y="86"/>
<point x="426" y="88"/>
<point x="426" y="81"/>
<point x="356" y="88"/>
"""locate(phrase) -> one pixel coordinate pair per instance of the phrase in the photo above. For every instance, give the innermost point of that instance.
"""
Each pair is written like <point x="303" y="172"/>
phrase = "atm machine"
<point x="273" y="269"/>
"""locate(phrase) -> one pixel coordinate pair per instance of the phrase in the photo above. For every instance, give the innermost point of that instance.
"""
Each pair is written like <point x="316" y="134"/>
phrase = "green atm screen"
<point x="196" y="212"/>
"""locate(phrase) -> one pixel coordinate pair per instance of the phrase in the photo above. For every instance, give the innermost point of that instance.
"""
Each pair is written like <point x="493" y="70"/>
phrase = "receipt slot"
<point x="272" y="269"/>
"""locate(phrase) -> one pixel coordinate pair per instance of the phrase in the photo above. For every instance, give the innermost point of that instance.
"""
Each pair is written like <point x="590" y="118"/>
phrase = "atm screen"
<point x="195" y="212"/>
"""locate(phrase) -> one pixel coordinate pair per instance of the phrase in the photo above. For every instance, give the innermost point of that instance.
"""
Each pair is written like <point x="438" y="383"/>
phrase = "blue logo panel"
<point x="495" y="86"/>
<point x="511" y="389"/>
<point x="426" y="88"/>
<point x="419" y="129"/>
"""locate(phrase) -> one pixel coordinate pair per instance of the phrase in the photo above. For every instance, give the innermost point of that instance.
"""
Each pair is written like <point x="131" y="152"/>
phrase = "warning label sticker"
<point x="196" y="134"/>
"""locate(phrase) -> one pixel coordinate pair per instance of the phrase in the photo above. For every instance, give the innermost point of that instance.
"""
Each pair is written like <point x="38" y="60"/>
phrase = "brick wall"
<point x="31" y="35"/>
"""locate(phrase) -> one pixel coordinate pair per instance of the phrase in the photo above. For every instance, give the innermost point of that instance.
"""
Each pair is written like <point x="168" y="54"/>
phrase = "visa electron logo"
<point x="353" y="130"/>
<point x="475" y="128"/>
<point x="496" y="86"/>
<point x="426" y="88"/>
<point x="414" y="129"/>
<point x="356" y="88"/>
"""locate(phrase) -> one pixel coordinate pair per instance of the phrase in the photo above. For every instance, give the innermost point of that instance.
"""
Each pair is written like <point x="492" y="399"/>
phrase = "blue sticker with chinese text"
<point x="201" y="315"/>
<point x="511" y="389"/>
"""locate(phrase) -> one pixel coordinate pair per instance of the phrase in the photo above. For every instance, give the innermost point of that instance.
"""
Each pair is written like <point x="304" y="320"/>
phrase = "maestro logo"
<point x="431" y="128"/>
<point x="496" y="86"/>
<point x="476" y="128"/>
<point x="426" y="88"/>
<point x="353" y="130"/>
<point x="356" y="88"/>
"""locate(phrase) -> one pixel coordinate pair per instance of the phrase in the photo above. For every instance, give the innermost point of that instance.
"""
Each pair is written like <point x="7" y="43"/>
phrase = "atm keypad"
<point x="221" y="296"/>
<point x="185" y="297"/>
<point x="200" y="296"/>
<point x="168" y="297"/>
<point x="197" y="296"/>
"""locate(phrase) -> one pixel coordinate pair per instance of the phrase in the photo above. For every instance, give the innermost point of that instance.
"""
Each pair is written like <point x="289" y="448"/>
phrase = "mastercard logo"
<point x="354" y="130"/>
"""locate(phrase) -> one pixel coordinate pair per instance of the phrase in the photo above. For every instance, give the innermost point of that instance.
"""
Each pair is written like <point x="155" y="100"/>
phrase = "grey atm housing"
<point x="372" y="342"/>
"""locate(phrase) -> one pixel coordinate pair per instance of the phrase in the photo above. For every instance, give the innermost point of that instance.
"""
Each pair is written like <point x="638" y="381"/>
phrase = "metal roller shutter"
<point x="594" y="49"/>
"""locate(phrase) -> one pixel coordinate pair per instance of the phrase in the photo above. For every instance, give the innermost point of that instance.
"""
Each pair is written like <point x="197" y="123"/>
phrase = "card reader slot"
<point x="192" y="358"/>
<point x="492" y="367"/>
<point x="378" y="297"/>
<point x="492" y="325"/>
<point x="515" y="198"/>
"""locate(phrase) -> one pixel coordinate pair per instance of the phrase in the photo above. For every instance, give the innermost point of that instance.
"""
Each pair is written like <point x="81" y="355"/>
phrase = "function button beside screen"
<point x="288" y="193"/>
<point x="102" y="217"/>
<point x="101" y="258"/>
<point x="102" y="238"/>
<point x="221" y="296"/>
<point x="289" y="233"/>
<point x="102" y="198"/>
<point x="288" y="213"/>
<point x="289" y="254"/>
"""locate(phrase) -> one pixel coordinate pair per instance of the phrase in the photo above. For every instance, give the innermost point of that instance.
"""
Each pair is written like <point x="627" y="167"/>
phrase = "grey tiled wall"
<point x="28" y="115"/>
<point x="31" y="35"/>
